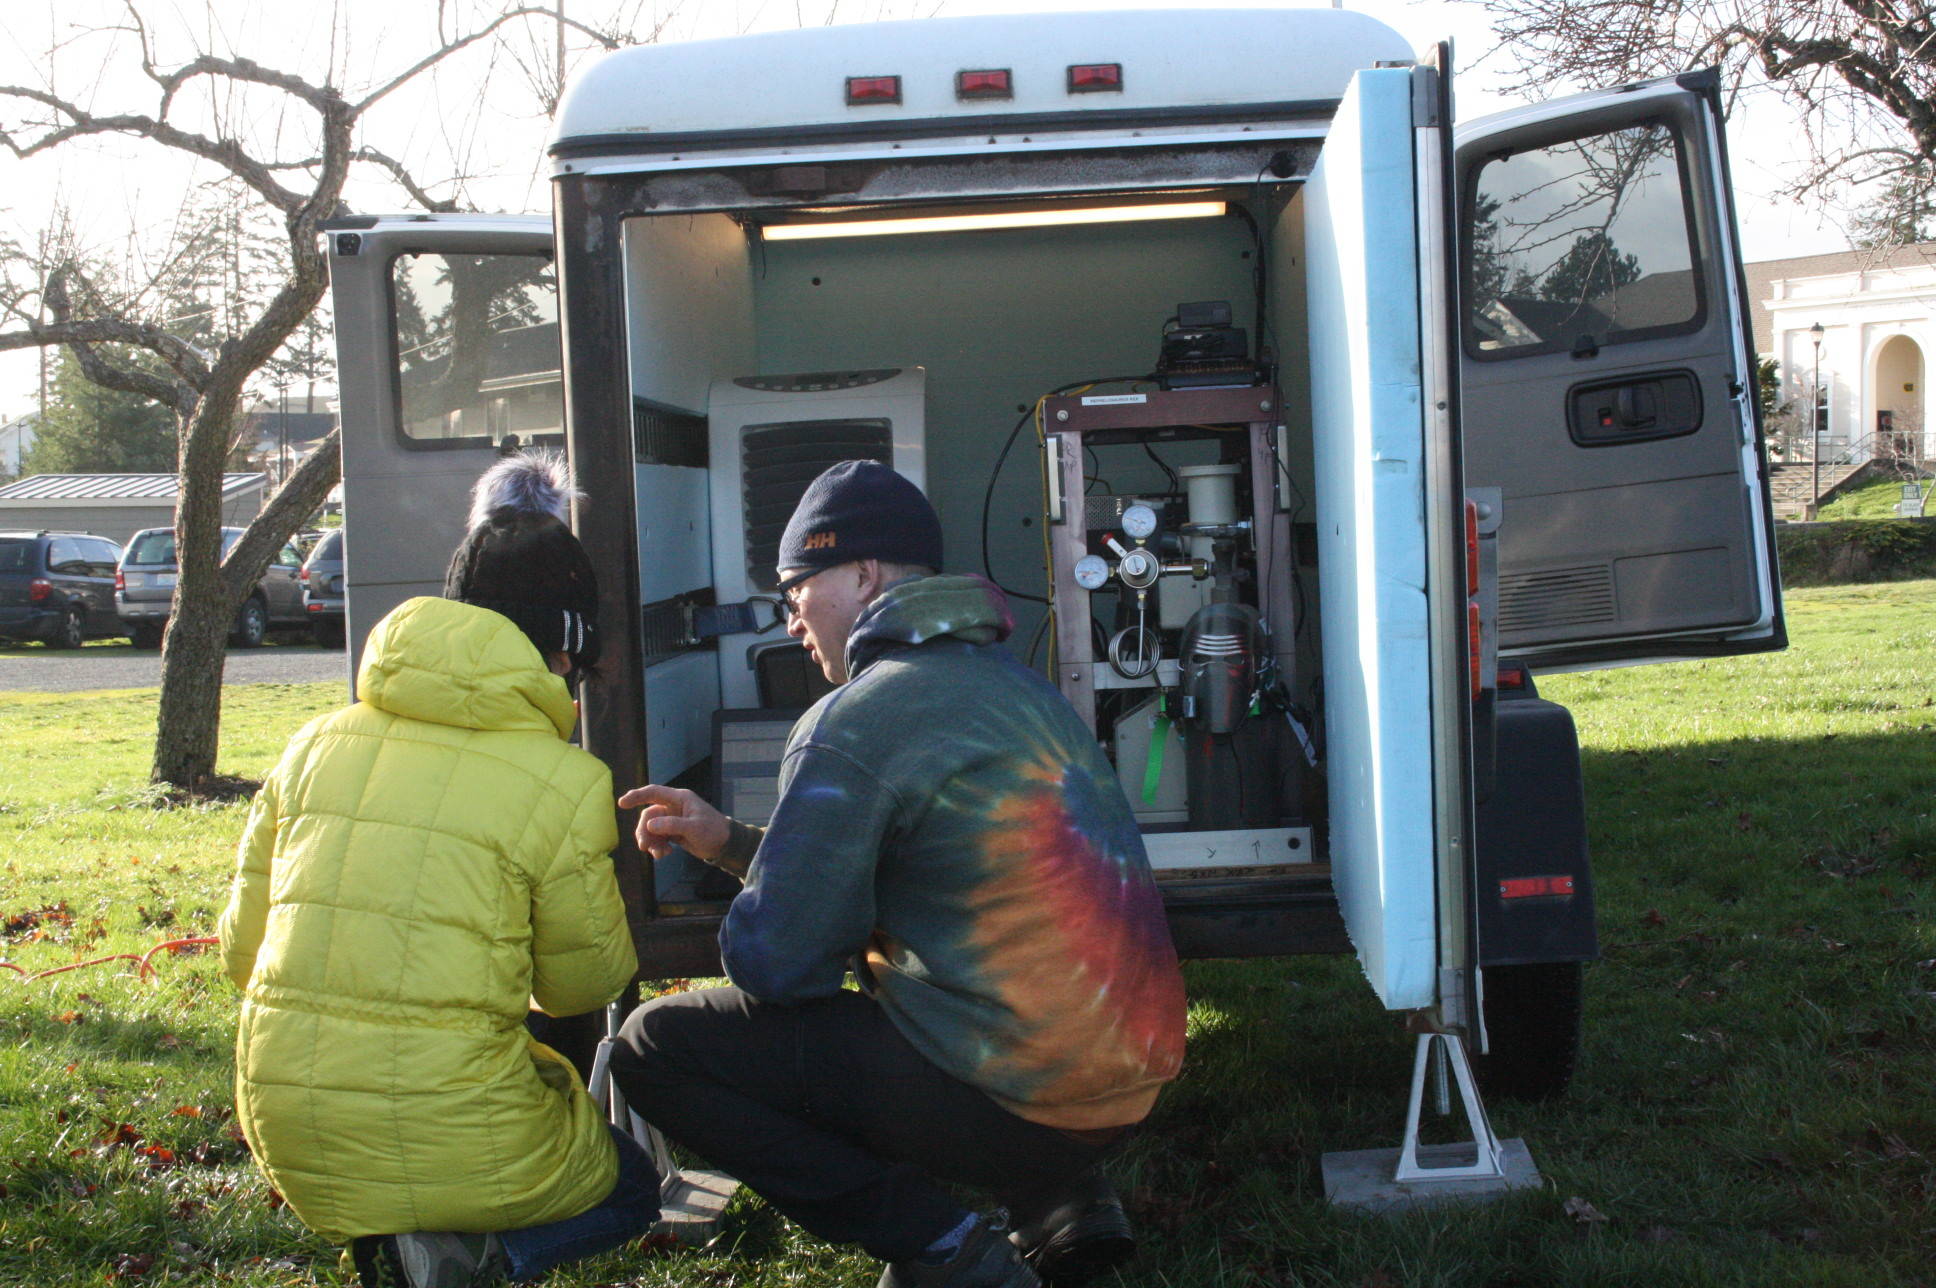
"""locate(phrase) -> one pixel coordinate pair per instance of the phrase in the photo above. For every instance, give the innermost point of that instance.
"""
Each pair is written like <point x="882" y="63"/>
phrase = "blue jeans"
<point x="625" y="1214"/>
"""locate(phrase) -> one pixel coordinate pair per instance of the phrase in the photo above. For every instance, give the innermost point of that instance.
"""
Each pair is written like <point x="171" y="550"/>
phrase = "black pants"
<point x="828" y="1113"/>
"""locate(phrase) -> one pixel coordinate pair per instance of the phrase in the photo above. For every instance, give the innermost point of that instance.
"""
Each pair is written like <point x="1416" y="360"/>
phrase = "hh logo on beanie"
<point x="821" y="541"/>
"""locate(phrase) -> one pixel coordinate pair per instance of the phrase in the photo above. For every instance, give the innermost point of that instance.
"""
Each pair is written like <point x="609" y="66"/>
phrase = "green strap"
<point x="1153" y="770"/>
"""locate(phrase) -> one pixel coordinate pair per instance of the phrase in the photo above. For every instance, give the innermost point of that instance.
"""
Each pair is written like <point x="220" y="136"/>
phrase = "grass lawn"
<point x="1756" y="1103"/>
<point x="1873" y="500"/>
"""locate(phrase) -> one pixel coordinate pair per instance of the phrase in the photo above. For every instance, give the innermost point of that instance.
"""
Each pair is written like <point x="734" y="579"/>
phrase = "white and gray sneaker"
<point x="431" y="1259"/>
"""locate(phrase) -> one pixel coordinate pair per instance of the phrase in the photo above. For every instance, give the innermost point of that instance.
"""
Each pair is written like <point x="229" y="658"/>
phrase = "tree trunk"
<point x="189" y="719"/>
<point x="192" y="652"/>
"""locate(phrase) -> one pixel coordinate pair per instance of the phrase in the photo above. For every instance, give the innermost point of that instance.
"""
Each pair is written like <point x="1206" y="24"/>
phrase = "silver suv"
<point x="322" y="579"/>
<point x="144" y="590"/>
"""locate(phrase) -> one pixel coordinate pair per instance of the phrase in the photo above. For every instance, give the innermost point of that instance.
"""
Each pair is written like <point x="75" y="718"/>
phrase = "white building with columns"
<point x="1857" y="329"/>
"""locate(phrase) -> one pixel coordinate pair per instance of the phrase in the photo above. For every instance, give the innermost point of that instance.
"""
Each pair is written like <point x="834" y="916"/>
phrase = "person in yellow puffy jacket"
<point x="418" y="870"/>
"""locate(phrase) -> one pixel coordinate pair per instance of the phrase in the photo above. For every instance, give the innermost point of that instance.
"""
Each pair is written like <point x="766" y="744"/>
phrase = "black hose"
<point x="988" y="495"/>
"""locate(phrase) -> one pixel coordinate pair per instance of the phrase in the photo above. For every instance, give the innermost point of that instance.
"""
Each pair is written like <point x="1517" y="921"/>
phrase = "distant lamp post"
<point x="1815" y="422"/>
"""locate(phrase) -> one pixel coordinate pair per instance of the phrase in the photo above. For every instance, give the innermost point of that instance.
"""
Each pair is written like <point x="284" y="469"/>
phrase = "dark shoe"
<point x="1079" y="1237"/>
<point x="429" y="1260"/>
<point x="986" y="1259"/>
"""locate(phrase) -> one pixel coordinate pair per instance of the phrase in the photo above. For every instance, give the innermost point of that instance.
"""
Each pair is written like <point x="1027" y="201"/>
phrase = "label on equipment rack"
<point x="1113" y="400"/>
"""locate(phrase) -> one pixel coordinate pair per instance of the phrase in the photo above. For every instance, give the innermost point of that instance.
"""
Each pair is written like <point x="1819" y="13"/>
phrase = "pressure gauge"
<point x="1138" y="569"/>
<point x="1139" y="521"/>
<point x="1092" y="571"/>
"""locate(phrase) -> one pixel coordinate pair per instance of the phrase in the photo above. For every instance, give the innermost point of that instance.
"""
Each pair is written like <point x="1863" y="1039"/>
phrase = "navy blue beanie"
<point x="861" y="510"/>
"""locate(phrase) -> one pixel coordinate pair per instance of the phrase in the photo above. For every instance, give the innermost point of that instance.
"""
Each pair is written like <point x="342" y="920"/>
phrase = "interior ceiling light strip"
<point x="1005" y="219"/>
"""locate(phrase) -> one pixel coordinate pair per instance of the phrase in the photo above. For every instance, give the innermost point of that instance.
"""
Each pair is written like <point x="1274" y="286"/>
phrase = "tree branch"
<point x="226" y="153"/>
<point x="452" y="46"/>
<point x="298" y="498"/>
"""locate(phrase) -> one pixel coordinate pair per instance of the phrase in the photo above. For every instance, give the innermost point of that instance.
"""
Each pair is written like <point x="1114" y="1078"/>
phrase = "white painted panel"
<point x="1368" y="426"/>
<point x="681" y="695"/>
<point x="688" y="305"/>
<point x="675" y="533"/>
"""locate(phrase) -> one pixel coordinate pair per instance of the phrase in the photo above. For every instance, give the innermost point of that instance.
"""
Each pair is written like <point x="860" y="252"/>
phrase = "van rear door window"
<point x="1580" y="243"/>
<point x="477" y="350"/>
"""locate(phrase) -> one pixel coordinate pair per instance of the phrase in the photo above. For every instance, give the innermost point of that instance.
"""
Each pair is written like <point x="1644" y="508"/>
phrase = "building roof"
<point x="1762" y="277"/>
<point x="116" y="487"/>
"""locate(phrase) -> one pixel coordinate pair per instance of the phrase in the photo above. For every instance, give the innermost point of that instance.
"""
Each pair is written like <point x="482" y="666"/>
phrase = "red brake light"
<point x="1091" y="78"/>
<point x="868" y="91"/>
<point x="993" y="83"/>
<point x="303" y="576"/>
<point x="1472" y="650"/>
<point x="1471" y="547"/>
<point x="1512" y="677"/>
<point x="1535" y="887"/>
<point x="39" y="588"/>
<point x="120" y="580"/>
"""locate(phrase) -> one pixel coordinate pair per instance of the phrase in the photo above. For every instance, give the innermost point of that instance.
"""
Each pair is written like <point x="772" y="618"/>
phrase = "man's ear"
<point x="872" y="581"/>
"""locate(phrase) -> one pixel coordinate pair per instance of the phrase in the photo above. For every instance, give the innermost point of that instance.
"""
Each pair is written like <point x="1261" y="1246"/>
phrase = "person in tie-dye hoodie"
<point x="949" y="832"/>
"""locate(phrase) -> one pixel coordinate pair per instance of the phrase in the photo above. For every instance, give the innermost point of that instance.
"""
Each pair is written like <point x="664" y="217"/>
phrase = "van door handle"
<point x="1635" y="409"/>
<point x="1636" y="406"/>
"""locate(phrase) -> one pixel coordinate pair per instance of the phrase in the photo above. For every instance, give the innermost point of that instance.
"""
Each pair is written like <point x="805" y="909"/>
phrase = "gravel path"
<point x="29" y="667"/>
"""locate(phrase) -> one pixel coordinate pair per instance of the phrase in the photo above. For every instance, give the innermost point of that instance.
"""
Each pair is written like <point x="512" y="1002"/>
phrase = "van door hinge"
<point x="1425" y="98"/>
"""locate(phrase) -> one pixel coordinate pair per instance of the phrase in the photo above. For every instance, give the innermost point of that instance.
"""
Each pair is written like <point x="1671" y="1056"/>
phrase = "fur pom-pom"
<point x="537" y="481"/>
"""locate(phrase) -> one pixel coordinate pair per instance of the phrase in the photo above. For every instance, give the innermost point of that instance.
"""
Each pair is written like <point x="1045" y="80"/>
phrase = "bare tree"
<point x="202" y="379"/>
<point x="1861" y="72"/>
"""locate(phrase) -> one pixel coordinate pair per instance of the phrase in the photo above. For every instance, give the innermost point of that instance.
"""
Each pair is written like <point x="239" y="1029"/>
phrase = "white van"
<point x="1302" y="429"/>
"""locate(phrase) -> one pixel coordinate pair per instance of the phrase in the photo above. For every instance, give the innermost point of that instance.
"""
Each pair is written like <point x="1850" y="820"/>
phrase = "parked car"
<point x="57" y="587"/>
<point x="144" y="590"/>
<point x="322" y="583"/>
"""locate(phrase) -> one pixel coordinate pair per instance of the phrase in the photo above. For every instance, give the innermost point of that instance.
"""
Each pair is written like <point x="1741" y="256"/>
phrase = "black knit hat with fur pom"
<point x="520" y="560"/>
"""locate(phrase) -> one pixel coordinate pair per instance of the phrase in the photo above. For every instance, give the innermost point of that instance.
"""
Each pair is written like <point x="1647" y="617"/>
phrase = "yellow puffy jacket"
<point x="416" y="870"/>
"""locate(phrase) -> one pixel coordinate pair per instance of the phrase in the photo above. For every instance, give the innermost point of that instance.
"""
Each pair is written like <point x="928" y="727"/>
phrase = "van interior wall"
<point x="1290" y="338"/>
<point x="689" y="306"/>
<point x="1000" y="318"/>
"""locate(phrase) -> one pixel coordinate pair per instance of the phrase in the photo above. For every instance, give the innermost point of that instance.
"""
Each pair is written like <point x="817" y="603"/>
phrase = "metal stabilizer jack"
<point x="690" y="1201"/>
<point x="1415" y="1174"/>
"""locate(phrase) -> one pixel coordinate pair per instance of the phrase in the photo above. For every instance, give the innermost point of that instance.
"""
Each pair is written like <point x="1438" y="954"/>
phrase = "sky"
<point x="475" y="116"/>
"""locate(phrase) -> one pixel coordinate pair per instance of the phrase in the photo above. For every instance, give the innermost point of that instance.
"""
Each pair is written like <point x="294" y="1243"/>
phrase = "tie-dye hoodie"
<point x="949" y="830"/>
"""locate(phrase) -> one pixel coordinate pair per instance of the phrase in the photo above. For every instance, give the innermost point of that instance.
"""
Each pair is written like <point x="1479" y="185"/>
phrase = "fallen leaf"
<point x="188" y="1111"/>
<point x="69" y="1017"/>
<point x="1584" y="1212"/>
<point x="275" y="1198"/>
<point x="119" y="1133"/>
<point x="1652" y="917"/>
<point x="131" y="1265"/>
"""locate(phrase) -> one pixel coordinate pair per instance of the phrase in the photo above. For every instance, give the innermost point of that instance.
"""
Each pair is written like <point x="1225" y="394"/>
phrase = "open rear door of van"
<point x="1607" y="379"/>
<point x="1386" y="663"/>
<point x="447" y="355"/>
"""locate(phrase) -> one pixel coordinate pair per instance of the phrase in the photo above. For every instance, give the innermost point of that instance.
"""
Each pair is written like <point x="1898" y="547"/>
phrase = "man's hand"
<point x="674" y="816"/>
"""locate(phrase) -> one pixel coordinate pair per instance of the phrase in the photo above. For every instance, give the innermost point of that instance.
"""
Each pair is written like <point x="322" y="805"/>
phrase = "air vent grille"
<point x="776" y="464"/>
<point x="1555" y="597"/>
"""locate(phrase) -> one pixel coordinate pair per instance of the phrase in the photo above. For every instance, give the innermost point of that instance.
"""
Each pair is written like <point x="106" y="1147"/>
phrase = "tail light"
<point x="1471" y="548"/>
<point x="39" y="589"/>
<point x="865" y="90"/>
<point x="1474" y="671"/>
<point x="120" y="580"/>
<point x="303" y="576"/>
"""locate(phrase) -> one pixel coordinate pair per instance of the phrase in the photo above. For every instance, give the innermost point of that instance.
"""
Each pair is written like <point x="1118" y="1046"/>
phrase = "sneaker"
<point x="429" y="1260"/>
<point x="986" y="1259"/>
<point x="1078" y="1238"/>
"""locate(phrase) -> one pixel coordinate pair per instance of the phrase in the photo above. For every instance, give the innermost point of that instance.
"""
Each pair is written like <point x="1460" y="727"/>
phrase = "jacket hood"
<point x="449" y="663"/>
<point x="921" y="609"/>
